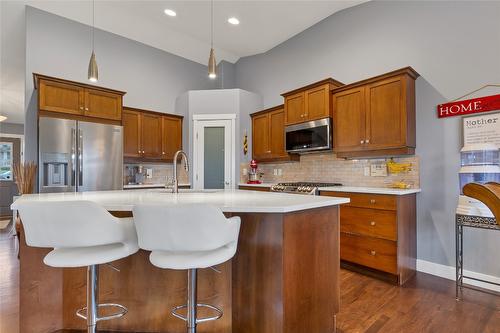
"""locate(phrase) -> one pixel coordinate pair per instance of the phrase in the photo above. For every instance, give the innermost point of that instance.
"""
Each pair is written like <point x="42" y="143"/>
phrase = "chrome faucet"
<point x="175" y="187"/>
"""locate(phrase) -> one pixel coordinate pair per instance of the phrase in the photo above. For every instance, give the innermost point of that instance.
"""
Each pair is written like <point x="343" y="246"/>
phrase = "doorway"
<point x="214" y="156"/>
<point x="10" y="155"/>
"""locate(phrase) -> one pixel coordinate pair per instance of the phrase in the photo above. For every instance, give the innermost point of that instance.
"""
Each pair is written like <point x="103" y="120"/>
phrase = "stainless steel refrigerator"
<point x="78" y="156"/>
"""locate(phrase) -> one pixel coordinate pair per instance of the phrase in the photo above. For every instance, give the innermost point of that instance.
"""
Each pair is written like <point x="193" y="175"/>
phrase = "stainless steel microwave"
<point x="310" y="136"/>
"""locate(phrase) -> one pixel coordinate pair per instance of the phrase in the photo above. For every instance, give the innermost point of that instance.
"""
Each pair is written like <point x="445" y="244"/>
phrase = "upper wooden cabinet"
<point x="78" y="99"/>
<point x="376" y="117"/>
<point x="268" y="136"/>
<point x="308" y="103"/>
<point x="151" y="135"/>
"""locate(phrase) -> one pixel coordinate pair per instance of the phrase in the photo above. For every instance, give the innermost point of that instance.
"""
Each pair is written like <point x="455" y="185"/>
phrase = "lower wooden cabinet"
<point x="268" y="136"/>
<point x="378" y="232"/>
<point x="151" y="135"/>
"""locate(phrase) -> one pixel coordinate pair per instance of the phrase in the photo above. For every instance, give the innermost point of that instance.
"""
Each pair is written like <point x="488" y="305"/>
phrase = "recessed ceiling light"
<point x="170" y="12"/>
<point x="233" y="20"/>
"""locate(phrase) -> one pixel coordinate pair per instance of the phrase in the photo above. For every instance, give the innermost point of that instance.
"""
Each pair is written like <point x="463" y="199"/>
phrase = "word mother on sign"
<point x="469" y="106"/>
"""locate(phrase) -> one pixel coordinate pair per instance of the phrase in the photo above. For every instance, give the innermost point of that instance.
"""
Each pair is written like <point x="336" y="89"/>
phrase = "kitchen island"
<point x="283" y="278"/>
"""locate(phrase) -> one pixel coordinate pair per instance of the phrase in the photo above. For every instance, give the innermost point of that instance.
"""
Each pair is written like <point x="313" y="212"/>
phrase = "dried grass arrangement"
<point x="24" y="175"/>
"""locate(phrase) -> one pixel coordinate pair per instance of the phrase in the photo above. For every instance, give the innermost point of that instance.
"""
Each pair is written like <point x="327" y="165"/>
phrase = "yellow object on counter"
<point x="401" y="185"/>
<point x="395" y="167"/>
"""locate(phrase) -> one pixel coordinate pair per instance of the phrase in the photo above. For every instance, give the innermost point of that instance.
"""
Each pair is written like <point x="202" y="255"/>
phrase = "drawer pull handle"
<point x="372" y="223"/>
<point x="372" y="201"/>
<point x="373" y="253"/>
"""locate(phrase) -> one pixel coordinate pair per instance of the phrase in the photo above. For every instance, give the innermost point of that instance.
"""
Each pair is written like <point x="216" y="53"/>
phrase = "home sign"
<point x="469" y="106"/>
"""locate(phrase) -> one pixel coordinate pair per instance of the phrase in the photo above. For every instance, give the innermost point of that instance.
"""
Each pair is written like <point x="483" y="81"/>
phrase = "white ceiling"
<point x="263" y="25"/>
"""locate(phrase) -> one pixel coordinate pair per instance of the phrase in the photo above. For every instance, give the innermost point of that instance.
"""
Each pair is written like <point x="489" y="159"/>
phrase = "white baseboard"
<point x="448" y="272"/>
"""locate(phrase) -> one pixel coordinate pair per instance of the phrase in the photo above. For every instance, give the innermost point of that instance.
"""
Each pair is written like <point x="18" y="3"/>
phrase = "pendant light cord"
<point x="212" y="24"/>
<point x="93" y="23"/>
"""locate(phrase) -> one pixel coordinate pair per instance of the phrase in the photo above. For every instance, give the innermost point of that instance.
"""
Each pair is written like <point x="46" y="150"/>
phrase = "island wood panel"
<point x="41" y="291"/>
<point x="285" y="273"/>
<point x="254" y="188"/>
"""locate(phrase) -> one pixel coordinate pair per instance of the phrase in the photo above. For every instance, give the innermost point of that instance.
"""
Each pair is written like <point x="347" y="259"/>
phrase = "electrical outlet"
<point x="245" y="172"/>
<point x="366" y="171"/>
<point x="280" y="172"/>
<point x="275" y="172"/>
<point x="149" y="173"/>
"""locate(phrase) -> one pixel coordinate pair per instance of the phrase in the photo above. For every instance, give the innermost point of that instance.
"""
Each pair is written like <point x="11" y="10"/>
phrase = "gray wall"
<point x="60" y="47"/>
<point x="455" y="46"/>
<point x="9" y="128"/>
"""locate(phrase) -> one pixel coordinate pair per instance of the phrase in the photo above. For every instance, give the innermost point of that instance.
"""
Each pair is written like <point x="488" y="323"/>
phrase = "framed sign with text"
<point x="484" y="128"/>
<point x="469" y="106"/>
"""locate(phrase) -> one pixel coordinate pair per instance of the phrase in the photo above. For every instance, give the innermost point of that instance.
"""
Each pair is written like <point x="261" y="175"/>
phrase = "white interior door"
<point x="213" y="154"/>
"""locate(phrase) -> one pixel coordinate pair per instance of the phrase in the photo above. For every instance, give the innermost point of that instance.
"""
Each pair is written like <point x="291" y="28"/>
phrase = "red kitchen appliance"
<point x="253" y="174"/>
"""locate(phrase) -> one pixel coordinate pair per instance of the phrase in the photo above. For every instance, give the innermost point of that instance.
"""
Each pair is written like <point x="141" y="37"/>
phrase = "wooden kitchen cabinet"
<point x="150" y="136"/>
<point x="309" y="103"/>
<point x="376" y="117"/>
<point x="171" y="136"/>
<point x="378" y="234"/>
<point x="131" y="121"/>
<point x="268" y="136"/>
<point x="76" y="99"/>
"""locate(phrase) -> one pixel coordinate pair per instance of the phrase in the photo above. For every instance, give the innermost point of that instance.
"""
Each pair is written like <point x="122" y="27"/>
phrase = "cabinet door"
<point x="60" y="97"/>
<point x="294" y="109"/>
<point x="171" y="134"/>
<point x="349" y="120"/>
<point x="277" y="133"/>
<point x="386" y="114"/>
<point x="151" y="135"/>
<point x="260" y="137"/>
<point x="102" y="104"/>
<point x="317" y="103"/>
<point x="131" y="122"/>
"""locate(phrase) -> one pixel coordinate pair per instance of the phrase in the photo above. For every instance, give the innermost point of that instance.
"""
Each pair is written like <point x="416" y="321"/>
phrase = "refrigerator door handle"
<point x="73" y="156"/>
<point x="80" y="157"/>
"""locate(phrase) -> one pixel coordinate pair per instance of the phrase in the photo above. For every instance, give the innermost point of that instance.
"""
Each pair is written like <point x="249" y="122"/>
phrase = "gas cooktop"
<point x="310" y="188"/>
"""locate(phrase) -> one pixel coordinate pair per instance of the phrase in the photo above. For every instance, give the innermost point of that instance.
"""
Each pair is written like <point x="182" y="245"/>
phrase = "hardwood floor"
<point x="9" y="284"/>
<point x="425" y="304"/>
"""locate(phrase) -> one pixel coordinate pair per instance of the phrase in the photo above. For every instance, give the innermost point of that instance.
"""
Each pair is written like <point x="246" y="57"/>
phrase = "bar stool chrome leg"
<point x="91" y="312"/>
<point x="92" y="297"/>
<point x="192" y="305"/>
<point x="191" y="302"/>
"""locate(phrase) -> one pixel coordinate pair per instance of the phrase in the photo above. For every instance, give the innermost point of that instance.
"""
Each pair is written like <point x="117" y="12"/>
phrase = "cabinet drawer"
<point x="369" y="222"/>
<point x="371" y="252"/>
<point x="366" y="200"/>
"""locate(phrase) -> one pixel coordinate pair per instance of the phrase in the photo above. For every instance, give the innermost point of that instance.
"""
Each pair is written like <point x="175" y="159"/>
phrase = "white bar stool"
<point x="82" y="233"/>
<point x="187" y="237"/>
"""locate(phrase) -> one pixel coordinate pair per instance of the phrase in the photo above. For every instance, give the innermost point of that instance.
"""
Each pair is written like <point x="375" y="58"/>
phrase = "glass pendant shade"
<point x="93" y="74"/>
<point x="212" y="65"/>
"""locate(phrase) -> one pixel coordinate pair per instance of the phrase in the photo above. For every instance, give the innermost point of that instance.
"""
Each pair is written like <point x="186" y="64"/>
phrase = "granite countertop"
<point x="231" y="201"/>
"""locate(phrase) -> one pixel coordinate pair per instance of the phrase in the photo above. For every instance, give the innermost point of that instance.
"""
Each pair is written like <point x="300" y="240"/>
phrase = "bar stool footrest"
<point x="198" y="320"/>
<point x="82" y="313"/>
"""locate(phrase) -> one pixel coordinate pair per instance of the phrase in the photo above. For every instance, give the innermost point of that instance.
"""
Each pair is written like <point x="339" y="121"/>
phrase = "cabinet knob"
<point x="362" y="141"/>
<point x="372" y="201"/>
<point x="86" y="109"/>
<point x="269" y="152"/>
<point x="367" y="141"/>
<point x="163" y="153"/>
<point x="143" y="151"/>
<point x="372" y="223"/>
<point x="139" y="151"/>
<point x="81" y="107"/>
<point x="301" y="116"/>
<point x="373" y="253"/>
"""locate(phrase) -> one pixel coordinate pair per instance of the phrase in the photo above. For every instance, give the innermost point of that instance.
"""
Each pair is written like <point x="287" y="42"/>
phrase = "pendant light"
<point x="93" y="73"/>
<point x="212" y="65"/>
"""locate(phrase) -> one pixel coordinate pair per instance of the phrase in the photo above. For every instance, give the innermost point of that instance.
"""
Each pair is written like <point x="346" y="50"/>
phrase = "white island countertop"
<point x="229" y="201"/>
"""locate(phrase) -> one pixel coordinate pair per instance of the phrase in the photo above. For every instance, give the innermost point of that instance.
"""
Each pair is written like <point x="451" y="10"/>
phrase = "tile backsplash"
<point x="160" y="172"/>
<point x="330" y="169"/>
